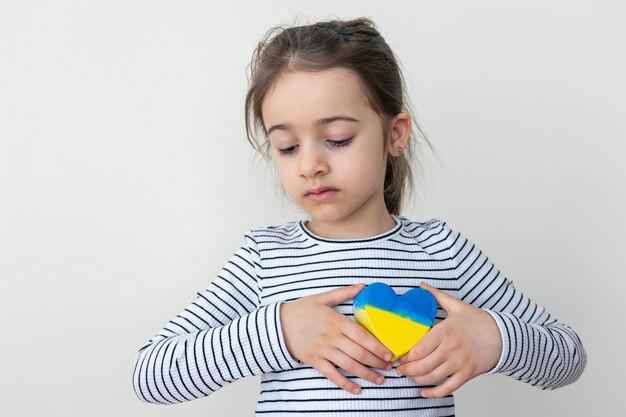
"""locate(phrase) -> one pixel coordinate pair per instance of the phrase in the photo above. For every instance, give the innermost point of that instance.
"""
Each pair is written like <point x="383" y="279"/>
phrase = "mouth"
<point x="321" y="194"/>
<point x="319" y="190"/>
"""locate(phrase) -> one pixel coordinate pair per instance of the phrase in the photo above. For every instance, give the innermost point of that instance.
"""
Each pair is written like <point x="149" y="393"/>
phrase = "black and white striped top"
<point x="232" y="329"/>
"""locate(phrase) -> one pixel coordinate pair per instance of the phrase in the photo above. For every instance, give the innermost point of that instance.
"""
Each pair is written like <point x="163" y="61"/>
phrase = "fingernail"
<point x="388" y="356"/>
<point x="380" y="380"/>
<point x="356" y="390"/>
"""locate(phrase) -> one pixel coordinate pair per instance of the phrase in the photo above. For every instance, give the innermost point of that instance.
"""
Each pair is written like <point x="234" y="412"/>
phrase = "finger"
<point x="329" y="371"/>
<point x="445" y="300"/>
<point x="364" y="338"/>
<point x="424" y="347"/>
<point x="423" y="366"/>
<point x="348" y="364"/>
<point x="339" y="295"/>
<point x="362" y="355"/>
<point x="452" y="384"/>
<point x="436" y="375"/>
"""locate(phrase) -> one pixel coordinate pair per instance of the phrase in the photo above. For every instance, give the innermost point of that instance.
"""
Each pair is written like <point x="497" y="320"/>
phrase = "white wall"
<point x="126" y="181"/>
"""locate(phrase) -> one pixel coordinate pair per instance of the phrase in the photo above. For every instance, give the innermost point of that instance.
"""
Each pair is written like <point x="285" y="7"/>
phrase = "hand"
<point x="316" y="334"/>
<point x="464" y="345"/>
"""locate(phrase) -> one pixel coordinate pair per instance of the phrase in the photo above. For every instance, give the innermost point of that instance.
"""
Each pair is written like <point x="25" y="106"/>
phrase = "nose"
<point x="312" y="162"/>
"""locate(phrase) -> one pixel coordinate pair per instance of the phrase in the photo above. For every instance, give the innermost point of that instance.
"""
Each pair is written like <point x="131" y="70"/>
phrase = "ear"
<point x="400" y="132"/>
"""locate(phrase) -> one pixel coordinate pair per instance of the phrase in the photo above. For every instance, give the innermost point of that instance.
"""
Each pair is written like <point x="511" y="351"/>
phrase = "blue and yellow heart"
<point x="398" y="322"/>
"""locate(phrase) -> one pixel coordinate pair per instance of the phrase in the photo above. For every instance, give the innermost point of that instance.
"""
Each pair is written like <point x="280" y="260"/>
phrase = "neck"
<point x="356" y="227"/>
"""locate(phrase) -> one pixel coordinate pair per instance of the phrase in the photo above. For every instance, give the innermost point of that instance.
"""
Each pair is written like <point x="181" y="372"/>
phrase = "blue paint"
<point x="416" y="304"/>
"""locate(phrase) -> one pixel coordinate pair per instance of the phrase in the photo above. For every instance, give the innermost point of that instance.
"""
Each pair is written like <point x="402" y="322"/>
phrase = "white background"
<point x="126" y="180"/>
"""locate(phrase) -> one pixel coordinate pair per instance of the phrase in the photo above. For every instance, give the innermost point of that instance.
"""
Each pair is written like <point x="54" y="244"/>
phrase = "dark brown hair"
<point x="353" y="44"/>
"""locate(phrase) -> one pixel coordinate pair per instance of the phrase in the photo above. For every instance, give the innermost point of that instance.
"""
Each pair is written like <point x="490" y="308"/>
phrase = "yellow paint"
<point x="397" y="333"/>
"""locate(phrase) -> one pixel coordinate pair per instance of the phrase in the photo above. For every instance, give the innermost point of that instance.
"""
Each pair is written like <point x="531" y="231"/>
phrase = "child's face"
<point x="291" y="110"/>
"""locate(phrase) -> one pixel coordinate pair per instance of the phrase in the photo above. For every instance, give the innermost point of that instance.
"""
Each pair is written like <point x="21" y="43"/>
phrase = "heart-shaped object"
<point x="398" y="322"/>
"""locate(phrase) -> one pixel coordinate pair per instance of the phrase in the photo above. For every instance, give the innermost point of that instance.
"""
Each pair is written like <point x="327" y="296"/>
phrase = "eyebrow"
<point x="318" y="122"/>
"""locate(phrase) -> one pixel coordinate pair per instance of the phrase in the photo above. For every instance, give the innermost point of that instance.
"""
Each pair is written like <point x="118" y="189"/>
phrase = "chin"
<point x="326" y="216"/>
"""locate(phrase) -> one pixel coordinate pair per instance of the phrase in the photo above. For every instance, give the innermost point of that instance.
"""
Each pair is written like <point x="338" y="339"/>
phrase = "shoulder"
<point x="269" y="236"/>
<point x="424" y="228"/>
<point x="431" y="235"/>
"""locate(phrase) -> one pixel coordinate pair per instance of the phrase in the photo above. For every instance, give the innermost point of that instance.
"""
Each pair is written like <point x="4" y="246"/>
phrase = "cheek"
<point x="284" y="177"/>
<point x="282" y="164"/>
<point x="362" y="176"/>
<point x="288" y="176"/>
<point x="368" y="164"/>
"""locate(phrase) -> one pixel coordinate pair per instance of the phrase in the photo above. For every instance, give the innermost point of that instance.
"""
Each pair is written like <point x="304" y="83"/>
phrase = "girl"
<point x="328" y="100"/>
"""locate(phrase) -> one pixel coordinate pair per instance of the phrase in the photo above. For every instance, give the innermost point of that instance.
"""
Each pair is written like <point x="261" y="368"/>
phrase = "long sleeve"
<point x="224" y="334"/>
<point x="536" y="347"/>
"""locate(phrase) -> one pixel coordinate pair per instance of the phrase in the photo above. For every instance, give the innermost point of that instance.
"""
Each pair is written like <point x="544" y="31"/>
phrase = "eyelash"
<point x="334" y="143"/>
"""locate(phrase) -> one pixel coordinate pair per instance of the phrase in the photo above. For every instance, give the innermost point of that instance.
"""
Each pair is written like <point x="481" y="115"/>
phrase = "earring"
<point x="399" y="149"/>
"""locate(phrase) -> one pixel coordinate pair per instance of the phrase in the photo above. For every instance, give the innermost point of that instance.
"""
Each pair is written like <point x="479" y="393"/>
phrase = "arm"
<point x="490" y="328"/>
<point x="221" y="336"/>
<point x="536" y="347"/>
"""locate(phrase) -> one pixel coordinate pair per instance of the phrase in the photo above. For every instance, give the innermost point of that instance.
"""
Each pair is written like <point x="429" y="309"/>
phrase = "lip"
<point x="320" y="190"/>
<point x="323" y="196"/>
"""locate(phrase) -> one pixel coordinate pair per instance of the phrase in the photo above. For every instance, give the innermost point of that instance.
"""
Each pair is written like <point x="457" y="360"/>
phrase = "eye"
<point x="340" y="143"/>
<point x="333" y="143"/>
<point x="286" y="151"/>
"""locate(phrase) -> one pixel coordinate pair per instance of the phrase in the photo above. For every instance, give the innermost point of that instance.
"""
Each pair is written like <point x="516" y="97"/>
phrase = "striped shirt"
<point x="233" y="328"/>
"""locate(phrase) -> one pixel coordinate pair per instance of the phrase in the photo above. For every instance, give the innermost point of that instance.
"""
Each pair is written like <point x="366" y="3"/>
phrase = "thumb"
<point x="339" y="295"/>
<point x="445" y="300"/>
